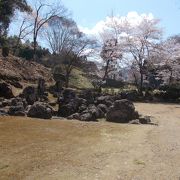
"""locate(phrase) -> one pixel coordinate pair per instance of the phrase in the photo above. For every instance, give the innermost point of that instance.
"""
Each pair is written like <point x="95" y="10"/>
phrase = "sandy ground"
<point x="73" y="150"/>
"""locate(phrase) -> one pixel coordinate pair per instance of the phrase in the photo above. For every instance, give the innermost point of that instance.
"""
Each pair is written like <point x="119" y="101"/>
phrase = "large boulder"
<point x="3" y="112"/>
<point x="40" y="110"/>
<point x="30" y="94"/>
<point x="95" y="111"/>
<point x="19" y="101"/>
<point x="41" y="87"/>
<point x="72" y="106"/>
<point x="123" y="111"/>
<point x="66" y="110"/>
<point x="74" y="116"/>
<point x="6" y="102"/>
<point x="88" y="94"/>
<point x="17" y="110"/>
<point x="103" y="108"/>
<point x="6" y="91"/>
<point x="92" y="113"/>
<point x="107" y="100"/>
<point x="68" y="94"/>
<point x="87" y="117"/>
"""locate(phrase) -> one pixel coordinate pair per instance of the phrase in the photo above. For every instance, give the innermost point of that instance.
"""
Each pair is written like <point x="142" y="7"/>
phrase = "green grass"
<point x="139" y="162"/>
<point x="118" y="90"/>
<point x="79" y="80"/>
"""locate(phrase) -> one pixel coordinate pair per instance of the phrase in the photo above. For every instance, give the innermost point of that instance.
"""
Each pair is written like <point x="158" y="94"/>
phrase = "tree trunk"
<point x="67" y="79"/>
<point x="141" y="83"/>
<point x="106" y="70"/>
<point x="16" y="47"/>
<point x="34" y="49"/>
<point x="170" y="78"/>
<point x="136" y="81"/>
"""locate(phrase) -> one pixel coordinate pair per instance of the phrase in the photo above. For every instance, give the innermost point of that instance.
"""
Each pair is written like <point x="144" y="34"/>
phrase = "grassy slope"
<point x="79" y="80"/>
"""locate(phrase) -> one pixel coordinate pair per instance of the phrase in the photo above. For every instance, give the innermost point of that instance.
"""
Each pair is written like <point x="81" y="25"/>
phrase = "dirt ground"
<point x="73" y="150"/>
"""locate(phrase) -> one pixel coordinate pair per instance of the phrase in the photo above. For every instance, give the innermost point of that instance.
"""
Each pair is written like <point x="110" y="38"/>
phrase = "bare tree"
<point x="61" y="34"/>
<point x="24" y="31"/>
<point x="41" y="15"/>
<point x="78" y="50"/>
<point x="68" y="43"/>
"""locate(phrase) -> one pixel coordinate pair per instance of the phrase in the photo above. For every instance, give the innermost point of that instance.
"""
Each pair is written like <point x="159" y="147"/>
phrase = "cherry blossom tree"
<point x="137" y="41"/>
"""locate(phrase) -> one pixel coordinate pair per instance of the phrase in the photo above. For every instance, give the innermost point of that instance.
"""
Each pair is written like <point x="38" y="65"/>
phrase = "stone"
<point x="95" y="111"/>
<point x="40" y="110"/>
<point x="18" y="101"/>
<point x="6" y="91"/>
<point x="103" y="107"/>
<point x="107" y="100"/>
<point x="74" y="116"/>
<point x="16" y="84"/>
<point x="53" y="103"/>
<point x="17" y="111"/>
<point x="145" y="120"/>
<point x="87" y="117"/>
<point x="82" y="108"/>
<point x="41" y="87"/>
<point x="122" y="111"/>
<point x="30" y="94"/>
<point x="136" y="121"/>
<point x="68" y="94"/>
<point x="6" y="102"/>
<point x="67" y="110"/>
<point x="87" y="94"/>
<point x="3" y="112"/>
<point x="71" y="107"/>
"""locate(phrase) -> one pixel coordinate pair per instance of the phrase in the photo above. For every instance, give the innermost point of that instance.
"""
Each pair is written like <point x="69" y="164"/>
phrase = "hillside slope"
<point x="16" y="69"/>
<point x="78" y="79"/>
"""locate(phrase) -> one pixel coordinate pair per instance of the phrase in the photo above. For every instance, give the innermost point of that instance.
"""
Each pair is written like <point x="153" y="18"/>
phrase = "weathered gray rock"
<point x="19" y="101"/>
<point x="6" y="102"/>
<point x="40" y="110"/>
<point x="82" y="108"/>
<point x="41" y="87"/>
<point x="6" y="91"/>
<point x="96" y="112"/>
<point x="92" y="113"/>
<point x="136" y="121"/>
<point x="71" y="107"/>
<point x="87" y="117"/>
<point x="68" y="94"/>
<point x="74" y="116"/>
<point x="3" y="112"/>
<point x="30" y="94"/>
<point x="88" y="94"/>
<point x="107" y="100"/>
<point x="145" y="120"/>
<point x="122" y="111"/>
<point x="53" y="103"/>
<point x="103" y="107"/>
<point x="17" y="111"/>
